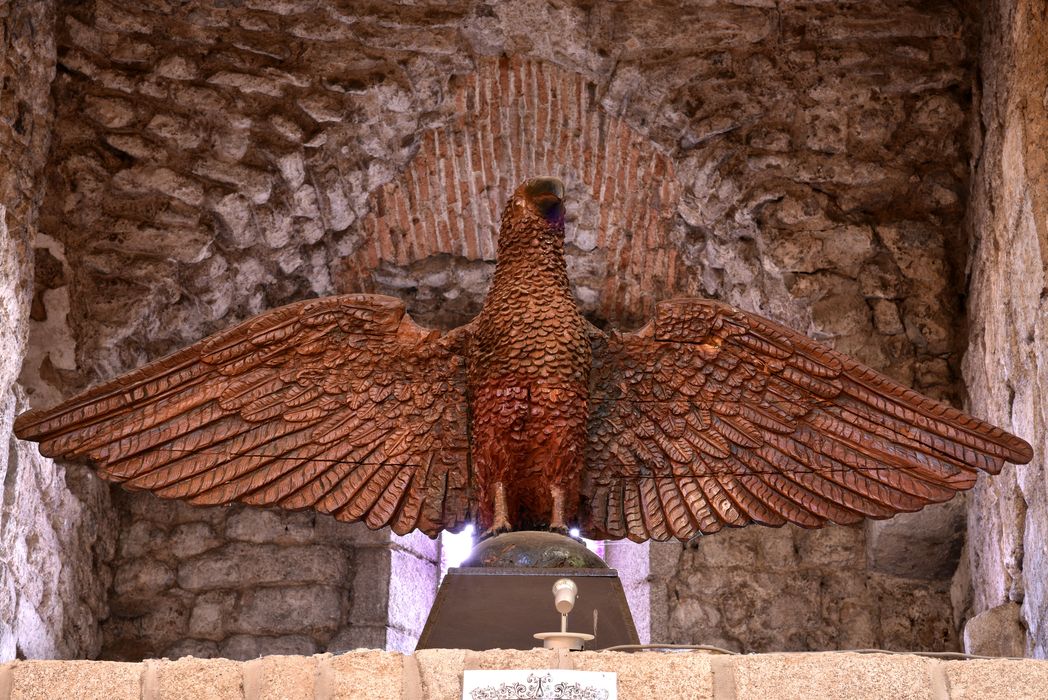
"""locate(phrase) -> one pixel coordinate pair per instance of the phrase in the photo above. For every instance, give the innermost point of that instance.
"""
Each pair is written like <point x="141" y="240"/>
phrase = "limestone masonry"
<point x="437" y="675"/>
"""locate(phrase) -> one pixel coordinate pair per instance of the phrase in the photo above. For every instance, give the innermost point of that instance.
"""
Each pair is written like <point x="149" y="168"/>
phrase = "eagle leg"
<point x="500" y="522"/>
<point x="556" y="520"/>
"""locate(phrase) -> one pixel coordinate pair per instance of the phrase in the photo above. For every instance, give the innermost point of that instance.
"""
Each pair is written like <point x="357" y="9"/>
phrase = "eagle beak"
<point x="547" y="194"/>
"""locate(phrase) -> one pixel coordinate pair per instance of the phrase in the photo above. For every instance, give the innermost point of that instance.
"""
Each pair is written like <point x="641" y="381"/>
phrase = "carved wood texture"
<point x="527" y="417"/>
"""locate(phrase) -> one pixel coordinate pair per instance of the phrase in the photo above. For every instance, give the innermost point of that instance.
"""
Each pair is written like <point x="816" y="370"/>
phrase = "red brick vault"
<point x="515" y="119"/>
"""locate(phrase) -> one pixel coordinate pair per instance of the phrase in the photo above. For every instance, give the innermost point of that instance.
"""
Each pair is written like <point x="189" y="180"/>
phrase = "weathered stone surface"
<point x="371" y="597"/>
<point x="54" y="532"/>
<point x="364" y="674"/>
<point x="252" y="582"/>
<point x="440" y="671"/>
<point x="272" y="526"/>
<point x="41" y="680"/>
<point x="1004" y="366"/>
<point x="243" y="647"/>
<point x="791" y="589"/>
<point x="632" y="561"/>
<point x="262" y="565"/>
<point x="510" y="659"/>
<point x="639" y="675"/>
<point x="359" y="636"/>
<point x="921" y="545"/>
<point x="189" y="679"/>
<point x="210" y="616"/>
<point x="286" y="610"/>
<point x="996" y="632"/>
<point x="970" y="680"/>
<point x="190" y="539"/>
<point x="850" y="676"/>
<point x="283" y="677"/>
<point x="412" y="589"/>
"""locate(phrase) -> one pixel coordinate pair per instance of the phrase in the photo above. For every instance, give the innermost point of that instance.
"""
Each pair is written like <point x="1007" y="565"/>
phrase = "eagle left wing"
<point x="710" y="417"/>
<point x="341" y="404"/>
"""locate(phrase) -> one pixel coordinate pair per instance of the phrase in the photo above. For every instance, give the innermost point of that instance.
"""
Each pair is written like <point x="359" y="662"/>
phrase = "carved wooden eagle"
<point x="528" y="417"/>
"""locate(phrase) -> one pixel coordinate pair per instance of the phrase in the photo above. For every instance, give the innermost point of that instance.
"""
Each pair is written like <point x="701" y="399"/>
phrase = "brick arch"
<point x="515" y="119"/>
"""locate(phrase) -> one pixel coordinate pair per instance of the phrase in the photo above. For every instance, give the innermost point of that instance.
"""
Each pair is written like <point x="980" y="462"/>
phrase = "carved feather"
<point x="311" y="404"/>
<point x="798" y="432"/>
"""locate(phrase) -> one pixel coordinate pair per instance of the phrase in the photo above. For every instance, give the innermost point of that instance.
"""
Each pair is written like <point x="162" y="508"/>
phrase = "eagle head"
<point x="544" y="196"/>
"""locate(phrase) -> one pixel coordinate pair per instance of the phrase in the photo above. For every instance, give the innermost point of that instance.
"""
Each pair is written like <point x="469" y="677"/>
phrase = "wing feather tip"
<point x="1019" y="451"/>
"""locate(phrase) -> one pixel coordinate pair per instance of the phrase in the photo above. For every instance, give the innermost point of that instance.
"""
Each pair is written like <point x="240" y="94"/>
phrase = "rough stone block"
<point x="110" y="112"/>
<point x="996" y="632"/>
<point x="440" y="671"/>
<point x="921" y="545"/>
<point x="174" y="129"/>
<point x="370" y="586"/>
<point x="75" y="680"/>
<point x="141" y="575"/>
<point x="176" y="68"/>
<point x="363" y="674"/>
<point x="358" y="637"/>
<point x="271" y="526"/>
<point x="841" y="676"/>
<point x="651" y="674"/>
<point x="731" y="548"/>
<point x="256" y="184"/>
<point x="511" y="659"/>
<point x="247" y="83"/>
<point x="189" y="539"/>
<point x="419" y="544"/>
<point x="1015" y="680"/>
<point x="242" y="647"/>
<point x="158" y="618"/>
<point x="336" y="531"/>
<point x="412" y="590"/>
<point x="834" y="546"/>
<point x="190" y="679"/>
<point x="289" y="610"/>
<point x="239" y="565"/>
<point x="198" y="648"/>
<point x="281" y="677"/>
<point x="210" y="614"/>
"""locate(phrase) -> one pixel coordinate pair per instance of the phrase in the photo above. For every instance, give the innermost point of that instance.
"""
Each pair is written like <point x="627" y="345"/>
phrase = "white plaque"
<point x="542" y="684"/>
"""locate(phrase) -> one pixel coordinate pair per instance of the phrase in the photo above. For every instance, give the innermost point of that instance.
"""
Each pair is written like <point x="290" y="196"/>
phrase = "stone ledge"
<point x="437" y="674"/>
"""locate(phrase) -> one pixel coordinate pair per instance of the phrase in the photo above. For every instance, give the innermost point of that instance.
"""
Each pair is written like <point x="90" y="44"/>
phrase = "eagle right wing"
<point x="710" y="417"/>
<point x="341" y="404"/>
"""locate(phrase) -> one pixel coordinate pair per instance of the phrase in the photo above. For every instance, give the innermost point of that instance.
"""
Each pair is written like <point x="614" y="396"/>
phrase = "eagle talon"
<point x="495" y="531"/>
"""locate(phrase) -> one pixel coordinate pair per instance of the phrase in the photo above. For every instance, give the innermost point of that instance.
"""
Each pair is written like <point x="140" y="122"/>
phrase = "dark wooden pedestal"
<point x="502" y="607"/>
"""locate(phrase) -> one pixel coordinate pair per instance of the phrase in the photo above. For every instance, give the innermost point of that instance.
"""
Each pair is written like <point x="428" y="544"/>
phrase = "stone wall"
<point x="1004" y="367"/>
<point x="211" y="160"/>
<point x="242" y="582"/>
<point x="793" y="589"/>
<point x="55" y="531"/>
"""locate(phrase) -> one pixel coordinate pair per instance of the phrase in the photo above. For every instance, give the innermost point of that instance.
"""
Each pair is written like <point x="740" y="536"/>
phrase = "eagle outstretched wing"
<point x="341" y="404"/>
<point x="710" y="417"/>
